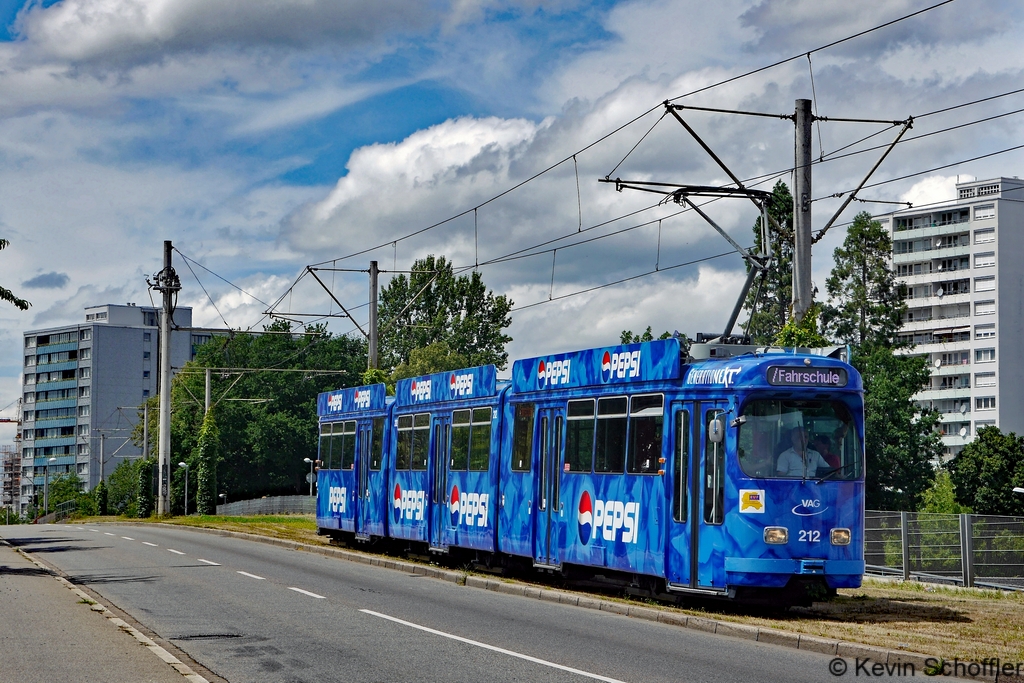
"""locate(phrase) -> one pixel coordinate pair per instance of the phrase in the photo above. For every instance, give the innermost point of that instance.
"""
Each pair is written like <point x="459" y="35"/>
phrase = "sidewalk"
<point x="48" y="632"/>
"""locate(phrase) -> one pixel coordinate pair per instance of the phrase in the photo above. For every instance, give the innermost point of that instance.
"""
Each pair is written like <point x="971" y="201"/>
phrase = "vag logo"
<point x="607" y="518"/>
<point x="336" y="497"/>
<point x="362" y="398"/>
<point x="809" y="507"/>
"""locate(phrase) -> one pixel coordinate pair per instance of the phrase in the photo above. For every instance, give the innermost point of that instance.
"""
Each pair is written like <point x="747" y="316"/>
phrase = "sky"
<point x="265" y="136"/>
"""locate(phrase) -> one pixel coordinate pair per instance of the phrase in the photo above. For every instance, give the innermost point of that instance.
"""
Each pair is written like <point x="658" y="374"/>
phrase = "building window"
<point x="83" y="430"/>
<point x="145" y="373"/>
<point x="84" y="392"/>
<point x="85" y="335"/>
<point x="145" y="355"/>
<point x="149" y="319"/>
<point x="985" y="284"/>
<point x="984" y="423"/>
<point x="984" y="355"/>
<point x="985" y="211"/>
<point x="83" y="468"/>
<point x="955" y="358"/>
<point x="984" y="379"/>
<point x="985" y="307"/>
<point x="85" y="354"/>
<point x="30" y="361"/>
<point x="147" y="336"/>
<point x="30" y="379"/>
<point x="966" y="193"/>
<point x="84" y="373"/>
<point x="987" y="331"/>
<point x="985" y="260"/>
<point x="984" y="190"/>
<point x="83" y="449"/>
<point x="83" y="411"/>
<point x="30" y="342"/>
<point x="985" y="403"/>
<point x="145" y="393"/>
<point x="985" y="236"/>
<point x="30" y="397"/>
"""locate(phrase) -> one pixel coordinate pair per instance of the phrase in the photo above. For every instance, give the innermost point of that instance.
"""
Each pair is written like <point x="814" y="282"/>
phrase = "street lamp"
<point x="225" y="497"/>
<point x="185" y="465"/>
<point x="310" y="475"/>
<point x="46" y="485"/>
<point x="1017" y="489"/>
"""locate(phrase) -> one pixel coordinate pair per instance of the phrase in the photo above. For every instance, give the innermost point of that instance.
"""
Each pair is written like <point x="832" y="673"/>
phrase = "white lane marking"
<point x="127" y="539"/>
<point x="107" y="533"/>
<point x="252" y="576"/>
<point x="208" y="562"/>
<point x="176" y="552"/>
<point x="150" y="544"/>
<point x="95" y="531"/>
<point x="510" y="653"/>
<point x="312" y="595"/>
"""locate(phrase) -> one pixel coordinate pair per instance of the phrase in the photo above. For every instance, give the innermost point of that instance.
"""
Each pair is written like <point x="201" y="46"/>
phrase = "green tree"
<point x="206" y="456"/>
<point x="100" y="493"/>
<point x="941" y="497"/>
<point x="62" y="488"/>
<point x="433" y="305"/>
<point x="123" y="489"/>
<point x="436" y="357"/>
<point x="144" y="492"/>
<point x="9" y="296"/>
<point x="900" y="438"/>
<point x="985" y="472"/>
<point x="803" y="334"/>
<point x="265" y="435"/>
<point x="866" y="305"/>
<point x="771" y="298"/>
<point x="627" y="336"/>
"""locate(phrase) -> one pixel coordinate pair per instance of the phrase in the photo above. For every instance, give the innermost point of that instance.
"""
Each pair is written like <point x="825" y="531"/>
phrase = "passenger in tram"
<point x="799" y="460"/>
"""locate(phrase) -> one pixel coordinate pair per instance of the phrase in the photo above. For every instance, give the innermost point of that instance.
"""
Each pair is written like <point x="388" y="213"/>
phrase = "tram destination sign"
<point x="793" y="376"/>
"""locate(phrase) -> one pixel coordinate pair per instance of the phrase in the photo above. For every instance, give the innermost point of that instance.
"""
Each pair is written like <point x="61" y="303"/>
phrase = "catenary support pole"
<point x="167" y="283"/>
<point x="206" y="401"/>
<point x="802" y="288"/>
<point x="145" y="430"/>
<point x="373" y="315"/>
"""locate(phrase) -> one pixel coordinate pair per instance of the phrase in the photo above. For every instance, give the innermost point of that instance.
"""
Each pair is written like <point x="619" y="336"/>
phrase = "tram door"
<point x="679" y="525"/>
<point x="439" y="457"/>
<point x="698" y="495"/>
<point x="365" y="440"/>
<point x="549" y="509"/>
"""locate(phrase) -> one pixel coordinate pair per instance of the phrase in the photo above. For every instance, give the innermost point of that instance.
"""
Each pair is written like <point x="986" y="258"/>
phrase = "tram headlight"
<point x="776" y="535"/>
<point x="840" y="537"/>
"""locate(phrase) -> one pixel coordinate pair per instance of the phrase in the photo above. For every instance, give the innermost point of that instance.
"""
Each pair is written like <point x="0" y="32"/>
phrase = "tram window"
<point x="325" y="445"/>
<point x="579" y="438"/>
<point x="799" y="439"/>
<point x="337" y="444"/>
<point x="682" y="465"/>
<point x="480" y="440"/>
<point x="714" y="474"/>
<point x="377" y="445"/>
<point x="348" y="445"/>
<point x="646" y="418"/>
<point x="460" y="440"/>
<point x="610" y="454"/>
<point x="403" y="453"/>
<point x="522" y="438"/>
<point x="420" y="441"/>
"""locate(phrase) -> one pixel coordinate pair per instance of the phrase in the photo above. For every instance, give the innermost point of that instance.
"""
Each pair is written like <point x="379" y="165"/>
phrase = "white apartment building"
<point x="83" y="386"/>
<point x="963" y="265"/>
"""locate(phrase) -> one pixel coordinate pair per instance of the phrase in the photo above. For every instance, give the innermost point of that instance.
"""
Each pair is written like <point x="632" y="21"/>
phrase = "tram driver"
<point x="799" y="460"/>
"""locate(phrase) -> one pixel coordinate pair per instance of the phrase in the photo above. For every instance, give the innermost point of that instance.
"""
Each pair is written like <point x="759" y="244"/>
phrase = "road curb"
<point x="857" y="652"/>
<point x="121" y="624"/>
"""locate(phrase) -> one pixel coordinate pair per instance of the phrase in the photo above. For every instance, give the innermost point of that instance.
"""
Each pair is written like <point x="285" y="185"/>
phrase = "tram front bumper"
<point x="773" y="572"/>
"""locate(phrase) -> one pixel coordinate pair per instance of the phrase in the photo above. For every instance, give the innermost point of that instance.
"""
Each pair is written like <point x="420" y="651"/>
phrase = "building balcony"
<point x="937" y="323"/>
<point x="932" y="254"/>
<point x="55" y="441"/>
<point x="56" y="384"/>
<point x="930" y="231"/>
<point x="56" y="348"/>
<point x="53" y="403"/>
<point x="944" y="300"/>
<point x="961" y="393"/>
<point x="56" y="367"/>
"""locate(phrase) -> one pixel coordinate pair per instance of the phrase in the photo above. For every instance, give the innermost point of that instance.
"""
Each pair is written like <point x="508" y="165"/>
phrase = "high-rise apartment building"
<point x="83" y="387"/>
<point x="963" y="266"/>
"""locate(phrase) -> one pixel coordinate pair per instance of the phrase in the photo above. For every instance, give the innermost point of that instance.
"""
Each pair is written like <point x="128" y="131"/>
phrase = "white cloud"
<point x="931" y="190"/>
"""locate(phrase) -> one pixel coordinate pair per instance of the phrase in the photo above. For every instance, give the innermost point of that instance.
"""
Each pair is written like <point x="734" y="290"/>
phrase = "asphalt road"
<point x="251" y="612"/>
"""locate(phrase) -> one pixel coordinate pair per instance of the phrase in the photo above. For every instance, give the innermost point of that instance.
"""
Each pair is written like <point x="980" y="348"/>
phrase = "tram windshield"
<point x="790" y="439"/>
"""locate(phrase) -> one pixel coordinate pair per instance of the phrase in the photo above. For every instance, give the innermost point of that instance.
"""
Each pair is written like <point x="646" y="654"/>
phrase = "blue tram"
<point x="739" y="476"/>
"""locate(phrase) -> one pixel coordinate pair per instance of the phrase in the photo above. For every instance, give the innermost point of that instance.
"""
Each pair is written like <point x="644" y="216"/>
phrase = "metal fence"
<point x="277" y="505"/>
<point x="970" y="550"/>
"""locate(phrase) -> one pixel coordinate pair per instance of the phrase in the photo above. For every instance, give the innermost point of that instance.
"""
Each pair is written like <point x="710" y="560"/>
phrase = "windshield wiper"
<point x="837" y="470"/>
